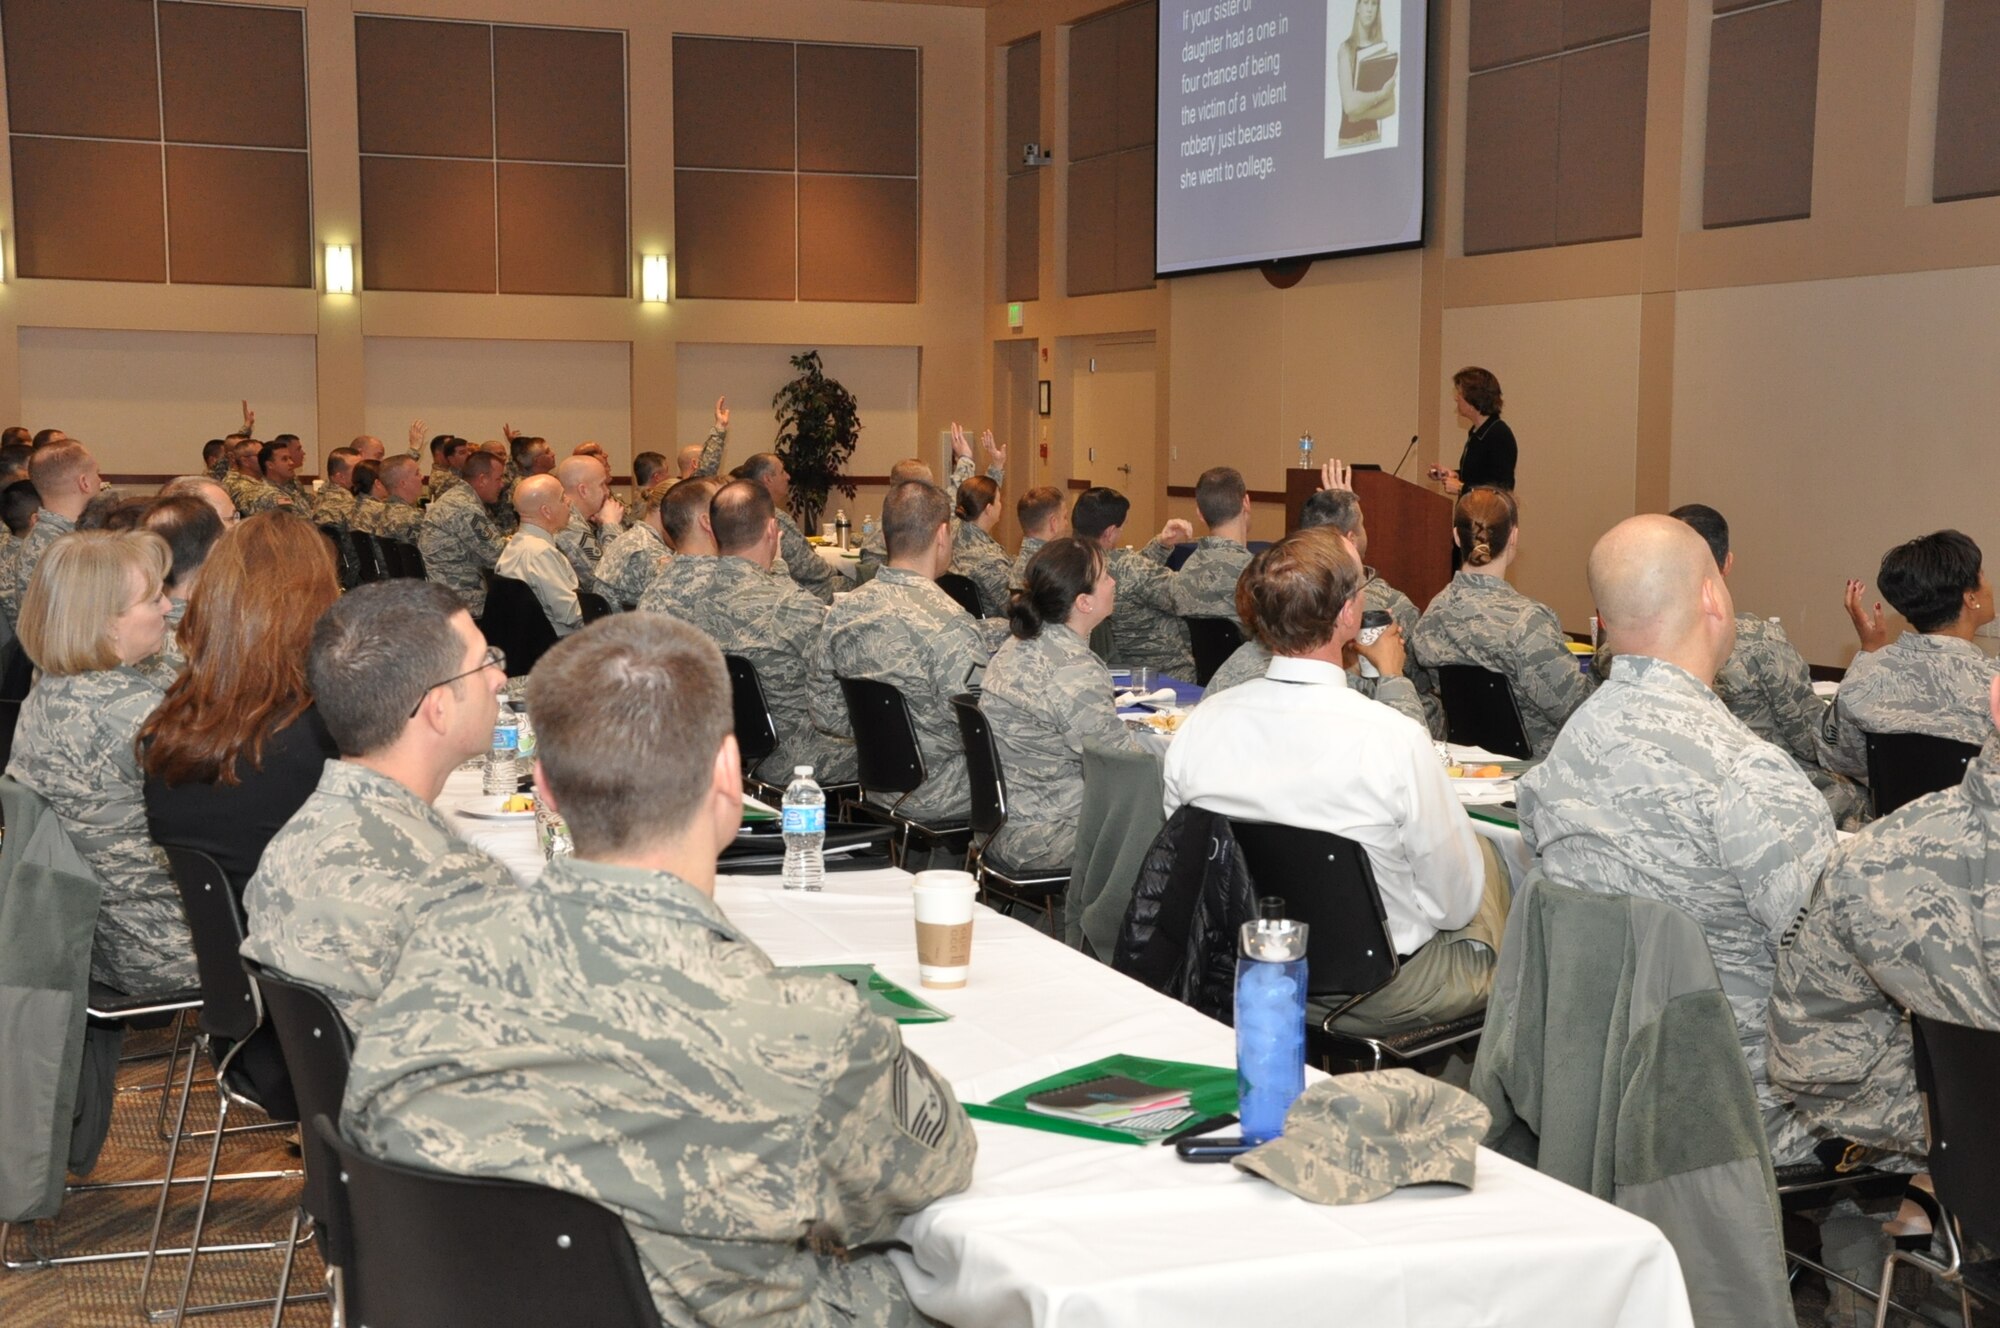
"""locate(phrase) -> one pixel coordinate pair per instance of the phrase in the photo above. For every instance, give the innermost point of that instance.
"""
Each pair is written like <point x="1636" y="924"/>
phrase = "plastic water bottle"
<point x="503" y="767"/>
<point x="1270" y="1020"/>
<point x="1305" y="451"/>
<point x="804" y="825"/>
<point x="867" y="529"/>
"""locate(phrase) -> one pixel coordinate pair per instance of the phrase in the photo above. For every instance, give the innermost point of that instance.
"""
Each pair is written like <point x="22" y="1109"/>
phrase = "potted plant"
<point x="818" y="423"/>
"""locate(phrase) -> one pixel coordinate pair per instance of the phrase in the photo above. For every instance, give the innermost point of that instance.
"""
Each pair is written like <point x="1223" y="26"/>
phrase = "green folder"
<point x="1211" y="1088"/>
<point x="883" y="996"/>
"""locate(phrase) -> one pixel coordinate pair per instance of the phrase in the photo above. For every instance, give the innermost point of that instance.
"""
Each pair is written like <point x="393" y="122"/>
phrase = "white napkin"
<point x="1163" y="696"/>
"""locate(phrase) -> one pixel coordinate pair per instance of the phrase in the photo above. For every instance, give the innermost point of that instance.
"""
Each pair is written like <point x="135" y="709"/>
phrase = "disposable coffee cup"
<point x="826" y="532"/>
<point x="944" y="902"/>
<point x="1373" y="623"/>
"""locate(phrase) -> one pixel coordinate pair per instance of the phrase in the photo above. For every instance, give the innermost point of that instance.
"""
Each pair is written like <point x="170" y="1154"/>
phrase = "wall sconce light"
<point x="340" y="269"/>
<point x="653" y="278"/>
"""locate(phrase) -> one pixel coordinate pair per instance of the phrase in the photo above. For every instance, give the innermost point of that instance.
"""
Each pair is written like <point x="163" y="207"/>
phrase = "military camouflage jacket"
<point x="1146" y="630"/>
<point x="776" y="626"/>
<point x="1907" y="918"/>
<point x="609" y="1032"/>
<point x="342" y="885"/>
<point x="1766" y="684"/>
<point x="1655" y="789"/>
<point x="874" y="547"/>
<point x="582" y="542"/>
<point x="334" y="506"/>
<point x="681" y="581"/>
<point x="299" y="493"/>
<point x="1480" y="619"/>
<point x="459" y="542"/>
<point x="74" y="746"/>
<point x="711" y="452"/>
<point x="1205" y="587"/>
<point x="442" y="480"/>
<point x="902" y="630"/>
<point x="1017" y="575"/>
<point x="1915" y="684"/>
<point x="1044" y="698"/>
<point x="238" y="486"/>
<point x="1249" y="661"/>
<point x="257" y="496"/>
<point x="395" y="520"/>
<point x="630" y="562"/>
<point x="978" y="557"/>
<point x="803" y="562"/>
<point x="25" y="554"/>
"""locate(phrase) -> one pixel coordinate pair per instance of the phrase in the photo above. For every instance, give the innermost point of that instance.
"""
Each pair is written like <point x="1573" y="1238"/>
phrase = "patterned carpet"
<point x="106" y="1295"/>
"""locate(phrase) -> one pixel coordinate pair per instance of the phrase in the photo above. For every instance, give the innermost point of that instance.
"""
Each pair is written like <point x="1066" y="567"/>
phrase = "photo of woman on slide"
<point x="1361" y="107"/>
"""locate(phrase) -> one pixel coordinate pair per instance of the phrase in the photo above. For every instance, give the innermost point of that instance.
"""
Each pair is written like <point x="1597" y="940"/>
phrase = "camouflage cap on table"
<point x="1356" y="1137"/>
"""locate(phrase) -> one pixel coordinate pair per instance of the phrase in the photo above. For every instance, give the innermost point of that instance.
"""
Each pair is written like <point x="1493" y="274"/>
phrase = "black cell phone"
<point x="1212" y="1148"/>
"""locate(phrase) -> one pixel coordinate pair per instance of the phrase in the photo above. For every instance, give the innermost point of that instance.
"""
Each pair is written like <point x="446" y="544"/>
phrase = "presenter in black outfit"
<point x="1490" y="452"/>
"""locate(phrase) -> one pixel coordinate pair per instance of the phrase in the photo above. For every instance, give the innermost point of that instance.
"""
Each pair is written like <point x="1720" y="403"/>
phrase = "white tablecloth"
<point x="840" y="562"/>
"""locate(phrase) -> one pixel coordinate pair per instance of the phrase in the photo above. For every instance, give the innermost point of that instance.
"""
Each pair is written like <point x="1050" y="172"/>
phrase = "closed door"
<point x="1112" y="389"/>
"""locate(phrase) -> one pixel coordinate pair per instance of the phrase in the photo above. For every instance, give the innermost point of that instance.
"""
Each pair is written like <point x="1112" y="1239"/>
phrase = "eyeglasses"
<point x="494" y="658"/>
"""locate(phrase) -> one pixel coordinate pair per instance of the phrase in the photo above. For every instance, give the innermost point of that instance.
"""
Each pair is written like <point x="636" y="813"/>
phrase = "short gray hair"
<point x="374" y="655"/>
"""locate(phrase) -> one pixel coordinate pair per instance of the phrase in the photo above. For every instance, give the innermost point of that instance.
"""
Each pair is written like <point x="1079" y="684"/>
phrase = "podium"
<point x="1409" y="527"/>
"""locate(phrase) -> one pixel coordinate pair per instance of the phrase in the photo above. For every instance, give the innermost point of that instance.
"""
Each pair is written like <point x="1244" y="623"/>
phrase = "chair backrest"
<point x="756" y="732"/>
<point x="886" y="754"/>
<point x="317" y="1050"/>
<point x="10" y="719"/>
<point x="418" y="1248"/>
<point x="1214" y="640"/>
<point x="1958" y="1069"/>
<point x="592" y="605"/>
<point x="1902" y="767"/>
<point x="514" y="621"/>
<point x="982" y="767"/>
<point x="1101" y="640"/>
<point x="1480" y="711"/>
<point x="369" y="564"/>
<point x="215" y="919"/>
<point x="403" y="557"/>
<point x="17" y="671"/>
<point x="963" y="589"/>
<point x="1327" y="883"/>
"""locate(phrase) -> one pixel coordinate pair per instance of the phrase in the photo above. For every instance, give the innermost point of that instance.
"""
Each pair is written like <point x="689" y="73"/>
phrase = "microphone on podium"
<point x="1406" y="456"/>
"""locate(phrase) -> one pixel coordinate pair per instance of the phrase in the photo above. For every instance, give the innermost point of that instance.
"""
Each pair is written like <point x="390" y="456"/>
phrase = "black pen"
<point x="1199" y="1127"/>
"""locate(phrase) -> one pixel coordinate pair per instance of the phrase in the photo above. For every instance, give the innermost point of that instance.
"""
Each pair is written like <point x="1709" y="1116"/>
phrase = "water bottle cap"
<point x="805" y="770"/>
<point x="1271" y="907"/>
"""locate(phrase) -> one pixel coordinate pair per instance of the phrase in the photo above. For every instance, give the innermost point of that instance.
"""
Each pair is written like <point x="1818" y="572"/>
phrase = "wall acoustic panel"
<point x="1024" y="236"/>
<point x="560" y="94"/>
<point x="429" y="224"/>
<point x="1024" y="99"/>
<point x="1111" y="75"/>
<point x="1588" y="21"/>
<point x="1510" y="157"/>
<point x="424" y="88"/>
<point x="1093" y="226"/>
<point x="1135" y="124"/>
<point x="84" y="67"/>
<point x="1093" y="88"/>
<point x="733" y="104"/>
<point x="1507" y="31"/>
<point x="1132" y="254"/>
<point x="1024" y="187"/>
<point x="858" y="109"/>
<point x="857" y="238"/>
<point x="1763" y="82"/>
<point x="1601" y="143"/>
<point x="1966" y="161"/>
<point x="239" y="217"/>
<point x="234" y="74"/>
<point x="88" y="210"/>
<point x="736" y="235"/>
<point x="562" y="230"/>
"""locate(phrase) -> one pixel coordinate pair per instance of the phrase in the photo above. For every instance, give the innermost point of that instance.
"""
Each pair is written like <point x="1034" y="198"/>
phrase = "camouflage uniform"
<point x="171" y="660"/>
<point x="25" y="554"/>
<point x="610" y="1033"/>
<point x="335" y="507"/>
<point x="342" y="885"/>
<point x="397" y="520"/>
<point x="802" y="562"/>
<point x="1766" y="684"/>
<point x="75" y="747"/>
<point x="711" y="453"/>
<point x="1017" y="575"/>
<point x="218" y="469"/>
<point x="677" y="590"/>
<point x="978" y="557"/>
<point x="875" y="547"/>
<point x="1654" y="789"/>
<point x="442" y="481"/>
<point x="239" y="487"/>
<point x="630" y="562"/>
<point x="902" y="630"/>
<point x="776" y="626"/>
<point x="582" y="542"/>
<point x="1044" y="698"/>
<point x="1915" y="684"/>
<point x="1146" y="631"/>
<point x="1377" y="594"/>
<point x="459" y="542"/>
<point x="1249" y="661"/>
<point x="1479" y="619"/>
<point x="1906" y="918"/>
<point x="298" y="494"/>
<point x="1205" y="587"/>
<point x="531" y="556"/>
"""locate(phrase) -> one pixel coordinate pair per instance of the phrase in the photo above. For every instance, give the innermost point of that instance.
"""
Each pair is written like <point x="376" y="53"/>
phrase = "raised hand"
<point x="722" y="413"/>
<point x="1177" y="531"/>
<point x="961" y="446"/>
<point x="417" y="435"/>
<point x="1872" y="628"/>
<point x="249" y="421"/>
<point x="509" y="432"/>
<point x="993" y="448"/>
<point x="1337" y="474"/>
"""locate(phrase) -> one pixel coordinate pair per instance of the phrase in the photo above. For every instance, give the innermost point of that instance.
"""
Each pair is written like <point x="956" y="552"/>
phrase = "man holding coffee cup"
<point x="609" y="1032"/>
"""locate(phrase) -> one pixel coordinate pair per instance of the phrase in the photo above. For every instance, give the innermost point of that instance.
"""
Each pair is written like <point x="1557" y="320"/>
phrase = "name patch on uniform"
<point x="920" y="1102"/>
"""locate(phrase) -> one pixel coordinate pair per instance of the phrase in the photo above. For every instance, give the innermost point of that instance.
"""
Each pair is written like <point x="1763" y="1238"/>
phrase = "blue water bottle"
<point x="1270" y="1020"/>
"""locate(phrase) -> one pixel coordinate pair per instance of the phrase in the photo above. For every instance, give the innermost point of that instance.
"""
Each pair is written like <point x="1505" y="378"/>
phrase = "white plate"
<point x="1470" y="787"/>
<point x="483" y="814"/>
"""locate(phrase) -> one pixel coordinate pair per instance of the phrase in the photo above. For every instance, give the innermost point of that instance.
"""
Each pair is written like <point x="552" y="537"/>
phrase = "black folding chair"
<point x="402" y="558"/>
<point x="1480" y="711"/>
<point x="593" y="605"/>
<point x="418" y="1248"/>
<point x="318" y="1049"/>
<point x="890" y="761"/>
<point x="1328" y="883"/>
<point x="1214" y="640"/>
<point x="514" y="621"/>
<point x="369" y="564"/>
<point x="756" y="731"/>
<point x="1903" y="767"/>
<point x="343" y="554"/>
<point x="963" y="589"/>
<point x="1037" y="889"/>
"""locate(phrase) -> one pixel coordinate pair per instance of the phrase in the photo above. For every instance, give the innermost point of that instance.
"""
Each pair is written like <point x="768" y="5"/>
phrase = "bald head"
<point x="688" y="460"/>
<point x="1659" y="592"/>
<point x="540" y="499"/>
<point x="575" y="470"/>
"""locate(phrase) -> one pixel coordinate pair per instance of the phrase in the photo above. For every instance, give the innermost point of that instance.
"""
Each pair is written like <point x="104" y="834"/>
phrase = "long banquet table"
<point x="1063" y="1231"/>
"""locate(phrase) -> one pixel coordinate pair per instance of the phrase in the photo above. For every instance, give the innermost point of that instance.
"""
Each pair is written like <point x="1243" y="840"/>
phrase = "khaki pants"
<point x="1448" y="978"/>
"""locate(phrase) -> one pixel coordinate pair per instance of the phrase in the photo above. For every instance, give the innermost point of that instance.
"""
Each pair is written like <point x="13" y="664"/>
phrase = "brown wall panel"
<point x="1503" y="31"/>
<point x="1024" y="236"/>
<point x="1966" y="161"/>
<point x="1587" y="21"/>
<point x="735" y="235"/>
<point x="1510" y="158"/>
<point x="733" y="104"/>
<point x="1138" y="75"/>
<point x="427" y="225"/>
<point x="858" y="109"/>
<point x="88" y="210"/>
<point x="1093" y="88"/>
<point x="857" y="238"/>
<point x="560" y="95"/>
<point x="81" y="67"/>
<point x="234" y="74"/>
<point x="1763" y="79"/>
<point x="1093" y="226"/>
<point x="562" y="230"/>
<point x="424" y="87"/>
<point x="1601" y="137"/>
<point x="239" y="217"/>
<point x="1024" y="99"/>
<point x="1132" y="262"/>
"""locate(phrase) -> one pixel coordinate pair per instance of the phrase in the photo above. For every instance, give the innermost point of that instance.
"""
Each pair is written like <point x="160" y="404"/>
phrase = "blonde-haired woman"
<point x="94" y="612"/>
<point x="1479" y="619"/>
<point x="1362" y="113"/>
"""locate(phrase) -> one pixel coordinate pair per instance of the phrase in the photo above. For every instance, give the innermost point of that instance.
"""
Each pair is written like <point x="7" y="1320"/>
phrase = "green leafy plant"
<point x="818" y="423"/>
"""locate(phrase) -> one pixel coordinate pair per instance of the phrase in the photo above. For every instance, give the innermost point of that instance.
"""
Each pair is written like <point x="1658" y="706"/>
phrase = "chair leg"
<point x="285" y="1271"/>
<point x="201" y="1206"/>
<point x="167" y="1184"/>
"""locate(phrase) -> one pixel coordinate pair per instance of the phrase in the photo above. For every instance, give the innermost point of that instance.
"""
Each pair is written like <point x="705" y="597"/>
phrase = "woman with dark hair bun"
<point x="1046" y="694"/>
<point x="974" y="551"/>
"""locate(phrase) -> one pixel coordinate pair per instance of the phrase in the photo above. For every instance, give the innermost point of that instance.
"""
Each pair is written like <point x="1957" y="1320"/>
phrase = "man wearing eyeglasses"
<point x="409" y="690"/>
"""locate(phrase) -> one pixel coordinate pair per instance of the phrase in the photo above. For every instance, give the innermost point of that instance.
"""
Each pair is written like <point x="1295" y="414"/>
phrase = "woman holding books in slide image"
<point x="1365" y="69"/>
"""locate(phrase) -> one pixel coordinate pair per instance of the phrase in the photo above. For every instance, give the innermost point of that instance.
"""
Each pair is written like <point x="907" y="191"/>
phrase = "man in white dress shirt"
<point x="532" y="554"/>
<point x="1299" y="747"/>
